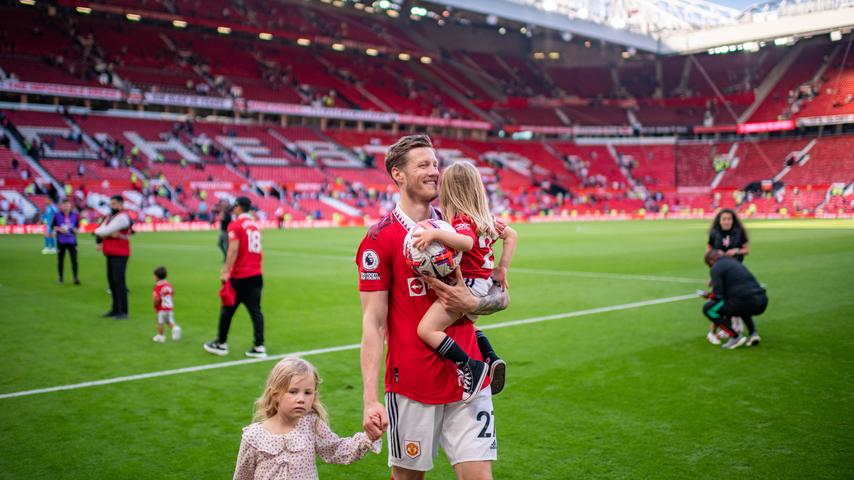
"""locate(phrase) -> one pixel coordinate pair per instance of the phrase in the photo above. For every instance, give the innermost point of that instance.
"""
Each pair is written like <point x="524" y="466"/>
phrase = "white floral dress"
<point x="292" y="456"/>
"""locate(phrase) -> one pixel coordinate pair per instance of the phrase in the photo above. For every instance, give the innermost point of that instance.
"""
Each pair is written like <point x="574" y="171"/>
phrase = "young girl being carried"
<point x="463" y="201"/>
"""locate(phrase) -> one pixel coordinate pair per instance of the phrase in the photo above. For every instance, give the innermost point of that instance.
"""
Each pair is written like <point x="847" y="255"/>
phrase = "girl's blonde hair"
<point x="278" y="382"/>
<point x="462" y="192"/>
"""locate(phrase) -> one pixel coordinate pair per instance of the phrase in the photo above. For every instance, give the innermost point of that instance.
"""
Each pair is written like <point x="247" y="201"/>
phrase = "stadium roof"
<point x="671" y="26"/>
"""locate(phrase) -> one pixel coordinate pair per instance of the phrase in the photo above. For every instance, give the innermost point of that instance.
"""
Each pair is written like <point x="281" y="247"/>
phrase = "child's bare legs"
<point x="431" y="330"/>
<point x="176" y="330"/>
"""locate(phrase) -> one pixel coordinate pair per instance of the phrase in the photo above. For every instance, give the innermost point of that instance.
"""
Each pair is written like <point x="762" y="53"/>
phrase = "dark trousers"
<point x="72" y="252"/>
<point x="223" y="243"/>
<point x="116" y="269"/>
<point x="721" y="311"/>
<point x="248" y="292"/>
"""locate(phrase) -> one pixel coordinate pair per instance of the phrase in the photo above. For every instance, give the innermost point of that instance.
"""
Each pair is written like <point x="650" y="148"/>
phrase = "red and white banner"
<point x="361" y="115"/>
<point x="212" y="185"/>
<point x="58" y="90"/>
<point x="825" y="120"/>
<point x="197" y="101"/>
<point x="761" y="127"/>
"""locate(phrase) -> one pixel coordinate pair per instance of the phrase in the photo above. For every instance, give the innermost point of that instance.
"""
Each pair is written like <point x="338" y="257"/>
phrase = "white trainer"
<point x="176" y="333"/>
<point x="159" y="338"/>
<point x="713" y="339"/>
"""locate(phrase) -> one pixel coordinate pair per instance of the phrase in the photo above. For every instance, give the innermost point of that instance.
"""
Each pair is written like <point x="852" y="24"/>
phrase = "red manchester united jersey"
<point x="480" y="260"/>
<point x="413" y="369"/>
<point x="163" y="291"/>
<point x="243" y="229"/>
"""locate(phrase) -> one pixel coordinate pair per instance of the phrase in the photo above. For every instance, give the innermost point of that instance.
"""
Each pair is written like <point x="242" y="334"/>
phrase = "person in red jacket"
<point x="243" y="270"/>
<point x="114" y="235"/>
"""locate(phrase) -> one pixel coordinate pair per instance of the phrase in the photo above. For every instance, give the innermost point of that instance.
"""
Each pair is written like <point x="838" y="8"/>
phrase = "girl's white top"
<point x="292" y="456"/>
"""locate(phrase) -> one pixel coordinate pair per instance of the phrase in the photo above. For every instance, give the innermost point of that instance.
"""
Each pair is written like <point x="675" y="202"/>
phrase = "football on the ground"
<point x="437" y="260"/>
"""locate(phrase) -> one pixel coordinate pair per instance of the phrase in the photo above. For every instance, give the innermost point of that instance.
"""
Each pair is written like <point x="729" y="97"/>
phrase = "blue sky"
<point x="736" y="4"/>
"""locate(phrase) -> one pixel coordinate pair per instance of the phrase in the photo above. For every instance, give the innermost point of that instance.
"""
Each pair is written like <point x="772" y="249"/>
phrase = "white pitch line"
<point x="341" y="348"/>
<point x="610" y="276"/>
<point x="563" y="273"/>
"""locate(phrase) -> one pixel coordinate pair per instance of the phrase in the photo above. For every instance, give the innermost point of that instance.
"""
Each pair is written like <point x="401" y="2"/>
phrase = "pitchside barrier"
<point x="566" y="216"/>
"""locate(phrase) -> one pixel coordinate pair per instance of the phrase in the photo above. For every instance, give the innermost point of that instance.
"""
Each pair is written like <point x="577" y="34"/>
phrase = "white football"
<point x="437" y="260"/>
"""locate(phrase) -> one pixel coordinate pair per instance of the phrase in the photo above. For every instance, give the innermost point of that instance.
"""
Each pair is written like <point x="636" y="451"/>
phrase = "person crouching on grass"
<point x="292" y="429"/>
<point x="163" y="305"/>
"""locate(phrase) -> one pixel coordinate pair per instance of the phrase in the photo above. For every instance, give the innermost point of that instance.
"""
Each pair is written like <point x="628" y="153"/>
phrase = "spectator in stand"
<point x="65" y="224"/>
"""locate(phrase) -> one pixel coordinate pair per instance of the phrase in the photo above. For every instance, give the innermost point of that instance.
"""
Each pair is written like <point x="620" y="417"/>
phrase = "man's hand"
<point x="375" y="420"/>
<point x="731" y="252"/>
<point x="224" y="276"/>
<point x="456" y="298"/>
<point x="499" y="276"/>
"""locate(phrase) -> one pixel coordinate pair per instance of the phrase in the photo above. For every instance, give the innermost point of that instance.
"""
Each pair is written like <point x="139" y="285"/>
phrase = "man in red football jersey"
<point x="422" y="401"/>
<point x="243" y="270"/>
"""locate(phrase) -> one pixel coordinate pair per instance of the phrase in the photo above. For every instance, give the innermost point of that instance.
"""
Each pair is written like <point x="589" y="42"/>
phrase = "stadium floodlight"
<point x="426" y="60"/>
<point x="338" y="3"/>
<point x="554" y="55"/>
<point x="133" y="17"/>
<point x="523" y="30"/>
<point x="583" y="13"/>
<point x="369" y="9"/>
<point x="179" y="23"/>
<point x="539" y="55"/>
<point x="566" y="36"/>
<point x="359" y="6"/>
<point x="27" y="2"/>
<point x="549" y="5"/>
<point x="384" y="4"/>
<point x="418" y="11"/>
<point x="338" y="47"/>
<point x="303" y="42"/>
<point x="782" y="41"/>
<point x="223" y="30"/>
<point x="83" y="10"/>
<point x="836" y="35"/>
<point x="502" y="30"/>
<point x="491" y="20"/>
<point x="372" y="52"/>
<point x="392" y="13"/>
<point x="403" y="56"/>
<point x="265" y="36"/>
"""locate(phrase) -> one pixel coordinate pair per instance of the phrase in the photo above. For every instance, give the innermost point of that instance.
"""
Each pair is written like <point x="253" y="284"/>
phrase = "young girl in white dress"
<point x="292" y="429"/>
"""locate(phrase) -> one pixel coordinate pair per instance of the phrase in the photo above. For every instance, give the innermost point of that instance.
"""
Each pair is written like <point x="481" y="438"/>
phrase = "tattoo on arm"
<point x="493" y="302"/>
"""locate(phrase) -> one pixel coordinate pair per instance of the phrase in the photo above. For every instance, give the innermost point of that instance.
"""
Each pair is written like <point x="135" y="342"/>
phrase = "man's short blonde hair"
<point x="396" y="155"/>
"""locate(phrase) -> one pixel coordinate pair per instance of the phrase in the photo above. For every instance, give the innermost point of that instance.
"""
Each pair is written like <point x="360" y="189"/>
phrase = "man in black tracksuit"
<point x="735" y="293"/>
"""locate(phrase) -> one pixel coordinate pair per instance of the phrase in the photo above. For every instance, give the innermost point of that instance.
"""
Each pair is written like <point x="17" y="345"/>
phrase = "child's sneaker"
<point x="472" y="377"/>
<point x="176" y="333"/>
<point x="258" y="351"/>
<point x="497" y="375"/>
<point x="713" y="338"/>
<point x="216" y="348"/>
<point x="159" y="338"/>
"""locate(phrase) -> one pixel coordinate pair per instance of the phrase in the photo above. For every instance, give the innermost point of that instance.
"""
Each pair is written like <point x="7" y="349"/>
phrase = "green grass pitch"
<point x="631" y="393"/>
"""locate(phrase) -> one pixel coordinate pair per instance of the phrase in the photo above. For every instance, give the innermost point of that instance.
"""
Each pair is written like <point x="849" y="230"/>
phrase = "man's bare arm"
<point x="496" y="300"/>
<point x="374" y="317"/>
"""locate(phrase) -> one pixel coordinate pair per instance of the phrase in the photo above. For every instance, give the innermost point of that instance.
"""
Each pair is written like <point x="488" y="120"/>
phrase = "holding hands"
<point x="375" y="420"/>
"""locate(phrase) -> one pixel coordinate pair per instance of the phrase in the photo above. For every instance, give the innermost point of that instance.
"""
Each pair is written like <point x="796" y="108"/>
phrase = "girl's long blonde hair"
<point x="462" y="192"/>
<point x="278" y="382"/>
